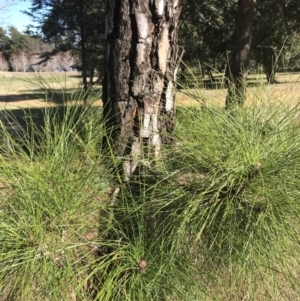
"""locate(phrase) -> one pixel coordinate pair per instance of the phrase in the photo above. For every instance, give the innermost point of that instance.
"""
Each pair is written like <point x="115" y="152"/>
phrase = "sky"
<point x="14" y="16"/>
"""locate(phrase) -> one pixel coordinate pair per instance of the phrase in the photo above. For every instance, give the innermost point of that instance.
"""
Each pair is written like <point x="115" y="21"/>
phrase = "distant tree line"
<point x="24" y="52"/>
<point x="206" y="33"/>
<point x="76" y="26"/>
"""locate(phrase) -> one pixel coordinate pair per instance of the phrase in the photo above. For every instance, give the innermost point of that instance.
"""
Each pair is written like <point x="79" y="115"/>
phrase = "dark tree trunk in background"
<point x="269" y="58"/>
<point x="83" y="43"/>
<point x="140" y="73"/>
<point x="237" y="72"/>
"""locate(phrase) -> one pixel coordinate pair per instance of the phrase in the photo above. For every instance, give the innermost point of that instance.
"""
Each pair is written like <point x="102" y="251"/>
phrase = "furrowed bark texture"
<point x="140" y="74"/>
<point x="240" y="59"/>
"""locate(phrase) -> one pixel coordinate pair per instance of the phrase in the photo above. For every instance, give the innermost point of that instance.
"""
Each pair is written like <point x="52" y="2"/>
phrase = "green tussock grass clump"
<point x="215" y="218"/>
<point x="242" y="176"/>
<point x="53" y="188"/>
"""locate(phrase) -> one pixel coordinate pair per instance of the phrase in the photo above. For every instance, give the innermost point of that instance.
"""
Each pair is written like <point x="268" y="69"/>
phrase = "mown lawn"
<point x="23" y="90"/>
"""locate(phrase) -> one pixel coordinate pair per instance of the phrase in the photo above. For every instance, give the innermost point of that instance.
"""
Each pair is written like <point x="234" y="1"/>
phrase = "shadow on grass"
<point x="17" y="120"/>
<point x="56" y="96"/>
<point x="75" y="75"/>
<point x="23" y="125"/>
<point x="20" y="97"/>
<point x="218" y="82"/>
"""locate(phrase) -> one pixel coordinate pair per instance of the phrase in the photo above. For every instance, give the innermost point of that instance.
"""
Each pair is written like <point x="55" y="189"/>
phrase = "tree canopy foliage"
<point x="24" y="52"/>
<point x="73" y="25"/>
<point x="206" y="32"/>
<point x="206" y="29"/>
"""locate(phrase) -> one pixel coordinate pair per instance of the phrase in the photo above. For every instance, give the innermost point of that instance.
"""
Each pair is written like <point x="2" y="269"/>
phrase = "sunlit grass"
<point x="215" y="219"/>
<point x="286" y="91"/>
<point x="243" y="209"/>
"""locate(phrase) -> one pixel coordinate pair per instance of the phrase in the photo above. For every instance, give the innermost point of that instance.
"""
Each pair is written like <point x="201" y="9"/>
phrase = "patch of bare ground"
<point x="187" y="179"/>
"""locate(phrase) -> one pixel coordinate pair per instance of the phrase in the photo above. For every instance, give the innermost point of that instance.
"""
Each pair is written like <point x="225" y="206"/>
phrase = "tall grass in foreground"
<point x="243" y="213"/>
<point x="216" y="219"/>
<point x="51" y="193"/>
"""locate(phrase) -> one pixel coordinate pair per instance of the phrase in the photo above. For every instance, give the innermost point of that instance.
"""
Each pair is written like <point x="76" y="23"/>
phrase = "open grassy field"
<point x="286" y="90"/>
<point x="22" y="90"/>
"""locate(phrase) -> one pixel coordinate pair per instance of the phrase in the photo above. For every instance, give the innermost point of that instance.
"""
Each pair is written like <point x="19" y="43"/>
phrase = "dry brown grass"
<point x="17" y="92"/>
<point x="286" y="91"/>
<point x="17" y="89"/>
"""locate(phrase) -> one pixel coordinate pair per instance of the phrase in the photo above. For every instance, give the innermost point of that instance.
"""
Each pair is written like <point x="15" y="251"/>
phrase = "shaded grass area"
<point x="216" y="218"/>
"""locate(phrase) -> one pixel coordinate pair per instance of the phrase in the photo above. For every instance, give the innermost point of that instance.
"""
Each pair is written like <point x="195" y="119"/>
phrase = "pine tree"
<point x="140" y="75"/>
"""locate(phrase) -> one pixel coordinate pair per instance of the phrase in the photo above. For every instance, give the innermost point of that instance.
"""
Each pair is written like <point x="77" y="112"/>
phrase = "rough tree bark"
<point x="141" y="62"/>
<point x="240" y="59"/>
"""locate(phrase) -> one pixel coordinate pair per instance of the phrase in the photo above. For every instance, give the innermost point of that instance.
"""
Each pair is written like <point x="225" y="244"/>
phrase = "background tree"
<point x="23" y="52"/>
<point x="140" y="73"/>
<point x="240" y="59"/>
<point x="19" y="61"/>
<point x="207" y="26"/>
<point x="35" y="44"/>
<point x="76" y="26"/>
<point x="4" y="39"/>
<point x="276" y="26"/>
<point x="16" y="40"/>
<point x="206" y="29"/>
<point x="3" y="62"/>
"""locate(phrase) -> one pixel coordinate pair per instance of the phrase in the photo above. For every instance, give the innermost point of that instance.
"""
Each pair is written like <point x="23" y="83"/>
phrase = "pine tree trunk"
<point x="83" y="43"/>
<point x="140" y="74"/>
<point x="240" y="59"/>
